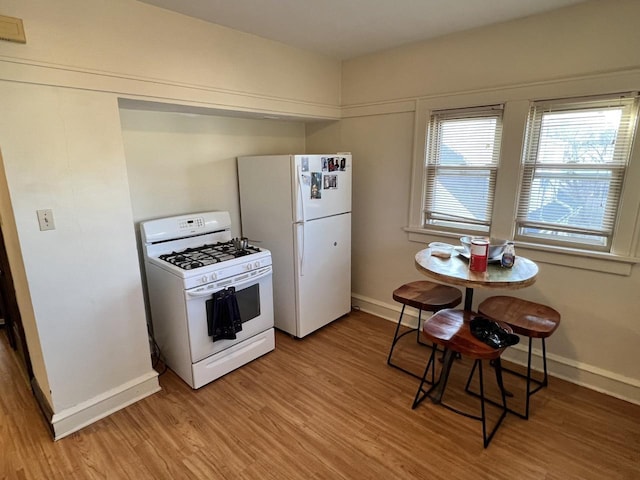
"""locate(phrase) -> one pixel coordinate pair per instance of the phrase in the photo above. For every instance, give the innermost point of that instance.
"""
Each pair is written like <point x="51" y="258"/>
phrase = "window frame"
<point x="629" y="102"/>
<point x="432" y="168"/>
<point x="625" y="245"/>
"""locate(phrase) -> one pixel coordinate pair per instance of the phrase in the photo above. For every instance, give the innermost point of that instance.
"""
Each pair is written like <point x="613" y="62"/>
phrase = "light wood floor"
<point x="325" y="407"/>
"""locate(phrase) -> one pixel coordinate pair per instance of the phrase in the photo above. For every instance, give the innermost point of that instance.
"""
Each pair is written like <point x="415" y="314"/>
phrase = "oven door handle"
<point x="205" y="292"/>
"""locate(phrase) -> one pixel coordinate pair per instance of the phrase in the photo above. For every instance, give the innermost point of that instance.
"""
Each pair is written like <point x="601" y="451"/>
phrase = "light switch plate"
<point x="45" y="219"/>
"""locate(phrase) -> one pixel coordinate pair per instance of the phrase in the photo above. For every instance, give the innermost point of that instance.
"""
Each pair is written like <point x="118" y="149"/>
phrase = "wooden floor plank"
<point x="324" y="407"/>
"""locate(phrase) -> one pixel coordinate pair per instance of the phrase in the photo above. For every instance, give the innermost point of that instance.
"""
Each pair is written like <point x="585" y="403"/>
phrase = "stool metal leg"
<point x="418" y="329"/>
<point x="540" y="384"/>
<point x="526" y="408"/>
<point x="397" y="337"/>
<point x="544" y="362"/>
<point x="486" y="439"/>
<point x="498" y="369"/>
<point x="528" y="377"/>
<point x="447" y="362"/>
<point x="430" y="364"/>
<point x="483" y="417"/>
<point x="497" y="364"/>
<point x="473" y="370"/>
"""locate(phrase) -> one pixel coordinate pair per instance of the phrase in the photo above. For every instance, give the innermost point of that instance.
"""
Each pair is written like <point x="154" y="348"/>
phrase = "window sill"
<point x="567" y="257"/>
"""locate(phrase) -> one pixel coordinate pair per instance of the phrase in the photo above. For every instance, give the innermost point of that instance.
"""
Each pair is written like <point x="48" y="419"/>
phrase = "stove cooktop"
<point x="204" y="255"/>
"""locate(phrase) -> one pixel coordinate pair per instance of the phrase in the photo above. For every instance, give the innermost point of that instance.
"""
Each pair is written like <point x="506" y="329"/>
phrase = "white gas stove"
<point x="189" y="259"/>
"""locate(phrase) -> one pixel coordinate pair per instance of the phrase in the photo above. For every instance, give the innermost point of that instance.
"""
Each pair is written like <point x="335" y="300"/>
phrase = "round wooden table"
<point x="455" y="271"/>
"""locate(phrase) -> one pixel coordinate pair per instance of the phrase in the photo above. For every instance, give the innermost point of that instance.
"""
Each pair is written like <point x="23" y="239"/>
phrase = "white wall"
<point x="124" y="44"/>
<point x="592" y="37"/>
<point x="65" y="153"/>
<point x="12" y="245"/>
<point x="79" y="287"/>
<point x="183" y="163"/>
<point x="589" y="48"/>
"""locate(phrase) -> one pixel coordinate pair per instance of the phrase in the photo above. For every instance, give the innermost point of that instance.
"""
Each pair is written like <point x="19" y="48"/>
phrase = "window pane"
<point x="451" y="194"/>
<point x="467" y="141"/>
<point x="576" y="199"/>
<point x="578" y="137"/>
<point x="575" y="162"/>
<point x="461" y="164"/>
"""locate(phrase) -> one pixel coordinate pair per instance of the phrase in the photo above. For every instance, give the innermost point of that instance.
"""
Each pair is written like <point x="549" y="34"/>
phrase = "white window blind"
<point x="462" y="154"/>
<point x="575" y="159"/>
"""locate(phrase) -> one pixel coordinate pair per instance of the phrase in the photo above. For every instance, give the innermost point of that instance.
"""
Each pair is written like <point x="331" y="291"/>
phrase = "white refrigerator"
<point x="299" y="208"/>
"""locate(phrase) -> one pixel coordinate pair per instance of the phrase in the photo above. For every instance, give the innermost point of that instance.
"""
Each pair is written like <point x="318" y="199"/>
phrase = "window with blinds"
<point x="462" y="154"/>
<point x="575" y="159"/>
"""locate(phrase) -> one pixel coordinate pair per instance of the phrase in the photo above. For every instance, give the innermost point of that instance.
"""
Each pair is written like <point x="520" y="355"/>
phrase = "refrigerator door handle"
<point x="299" y="195"/>
<point x="300" y="249"/>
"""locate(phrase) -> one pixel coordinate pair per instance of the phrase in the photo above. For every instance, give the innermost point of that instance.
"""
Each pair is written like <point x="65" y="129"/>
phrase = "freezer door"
<point x="322" y="186"/>
<point x="323" y="271"/>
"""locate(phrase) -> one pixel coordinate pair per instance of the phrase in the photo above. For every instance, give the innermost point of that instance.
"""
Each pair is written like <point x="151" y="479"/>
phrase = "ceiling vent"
<point x="12" y="30"/>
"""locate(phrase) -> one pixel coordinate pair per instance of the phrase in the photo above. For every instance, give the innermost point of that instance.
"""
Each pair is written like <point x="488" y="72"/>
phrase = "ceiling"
<point x="344" y="29"/>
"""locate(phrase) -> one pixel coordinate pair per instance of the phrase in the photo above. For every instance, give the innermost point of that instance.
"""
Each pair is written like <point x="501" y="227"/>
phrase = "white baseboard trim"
<point x="582" y="374"/>
<point x="73" y="419"/>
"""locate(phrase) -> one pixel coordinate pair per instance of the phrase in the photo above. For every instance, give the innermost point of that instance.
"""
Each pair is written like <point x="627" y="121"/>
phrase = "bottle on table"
<point x="508" y="255"/>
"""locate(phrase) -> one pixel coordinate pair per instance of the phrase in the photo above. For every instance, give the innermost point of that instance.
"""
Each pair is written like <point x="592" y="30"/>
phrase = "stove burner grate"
<point x="204" y="255"/>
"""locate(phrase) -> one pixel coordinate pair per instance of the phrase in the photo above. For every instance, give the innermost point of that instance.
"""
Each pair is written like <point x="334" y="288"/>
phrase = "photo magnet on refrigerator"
<point x="330" y="182"/>
<point x="316" y="185"/>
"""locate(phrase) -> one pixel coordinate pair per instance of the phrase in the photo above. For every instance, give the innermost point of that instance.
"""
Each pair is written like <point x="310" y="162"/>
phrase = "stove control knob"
<point x="248" y="266"/>
<point x="257" y="264"/>
<point x="203" y="279"/>
<point x="214" y="276"/>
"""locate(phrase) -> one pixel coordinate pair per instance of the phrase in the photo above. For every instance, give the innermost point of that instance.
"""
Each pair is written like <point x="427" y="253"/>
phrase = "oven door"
<point x="254" y="293"/>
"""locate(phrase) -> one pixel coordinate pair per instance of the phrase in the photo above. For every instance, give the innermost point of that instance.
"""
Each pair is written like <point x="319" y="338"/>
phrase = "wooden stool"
<point x="450" y="329"/>
<point x="423" y="295"/>
<point x="529" y="319"/>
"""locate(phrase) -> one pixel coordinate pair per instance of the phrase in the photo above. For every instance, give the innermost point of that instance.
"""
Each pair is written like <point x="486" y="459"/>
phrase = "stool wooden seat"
<point x="529" y="319"/>
<point x="424" y="296"/>
<point x="449" y="328"/>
